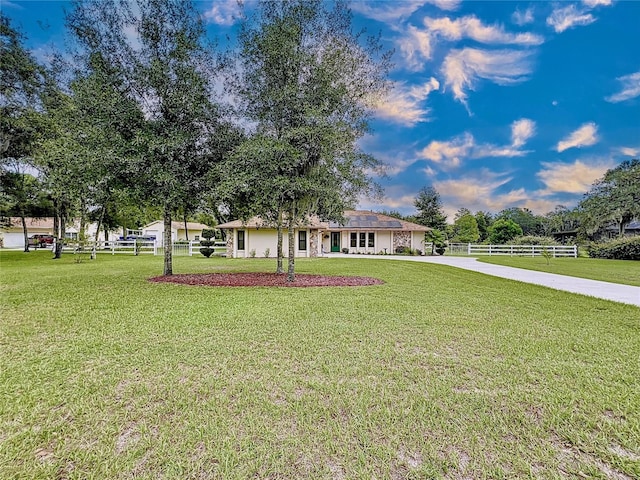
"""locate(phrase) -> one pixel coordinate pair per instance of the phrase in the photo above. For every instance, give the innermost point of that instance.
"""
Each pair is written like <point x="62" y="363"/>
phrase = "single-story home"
<point x="362" y="232"/>
<point x="178" y="231"/>
<point x="13" y="235"/>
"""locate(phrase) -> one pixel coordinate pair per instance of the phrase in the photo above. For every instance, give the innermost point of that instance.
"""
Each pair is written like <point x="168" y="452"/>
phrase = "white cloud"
<point x="415" y="47"/>
<point x="473" y="28"/>
<point x="576" y="177"/>
<point x="630" y="88"/>
<point x="393" y="11"/>
<point x="583" y="137"/>
<point x="630" y="152"/>
<point x="523" y="18"/>
<point x="479" y="192"/>
<point x="521" y="131"/>
<point x="223" y="12"/>
<point x="402" y="105"/>
<point x="571" y="16"/>
<point x="449" y="153"/>
<point x="595" y="3"/>
<point x="462" y="68"/>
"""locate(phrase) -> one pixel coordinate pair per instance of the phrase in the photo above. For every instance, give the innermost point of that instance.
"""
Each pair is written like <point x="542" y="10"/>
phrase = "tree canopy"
<point x="613" y="199"/>
<point x="308" y="85"/>
<point x="429" y="206"/>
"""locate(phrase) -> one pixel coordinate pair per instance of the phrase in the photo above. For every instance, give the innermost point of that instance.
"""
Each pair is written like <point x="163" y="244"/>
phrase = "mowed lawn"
<point x="625" y="272"/>
<point x="438" y="373"/>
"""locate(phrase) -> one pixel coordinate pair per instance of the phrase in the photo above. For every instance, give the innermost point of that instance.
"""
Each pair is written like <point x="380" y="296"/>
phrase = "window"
<point x="363" y="239"/>
<point x="302" y="240"/>
<point x="197" y="238"/>
<point x="371" y="238"/>
<point x="240" y="239"/>
<point x="354" y="239"/>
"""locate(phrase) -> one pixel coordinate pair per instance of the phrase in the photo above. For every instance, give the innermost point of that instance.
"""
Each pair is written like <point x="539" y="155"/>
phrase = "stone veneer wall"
<point x="401" y="239"/>
<point x="313" y="243"/>
<point x="229" y="243"/>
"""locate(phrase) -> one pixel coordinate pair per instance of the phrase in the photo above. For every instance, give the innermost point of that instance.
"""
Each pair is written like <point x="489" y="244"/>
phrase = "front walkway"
<point x="593" y="288"/>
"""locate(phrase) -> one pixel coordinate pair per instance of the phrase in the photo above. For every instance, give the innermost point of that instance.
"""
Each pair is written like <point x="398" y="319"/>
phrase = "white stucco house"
<point x="13" y="236"/>
<point x="362" y="232"/>
<point x="178" y="231"/>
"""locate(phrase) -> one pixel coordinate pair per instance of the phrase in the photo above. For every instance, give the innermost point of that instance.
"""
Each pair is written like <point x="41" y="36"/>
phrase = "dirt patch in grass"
<point x="265" y="280"/>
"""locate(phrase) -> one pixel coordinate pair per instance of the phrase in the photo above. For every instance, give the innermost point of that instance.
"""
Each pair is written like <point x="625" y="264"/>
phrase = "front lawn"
<point x="438" y="373"/>
<point x="626" y="272"/>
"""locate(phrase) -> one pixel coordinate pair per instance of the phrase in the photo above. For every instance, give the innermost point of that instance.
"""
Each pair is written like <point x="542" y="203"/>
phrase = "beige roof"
<point x="190" y="226"/>
<point x="39" y="223"/>
<point x="179" y="225"/>
<point x="354" y="220"/>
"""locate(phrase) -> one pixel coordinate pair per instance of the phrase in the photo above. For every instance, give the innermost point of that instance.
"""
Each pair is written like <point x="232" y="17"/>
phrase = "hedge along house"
<point x="362" y="232"/>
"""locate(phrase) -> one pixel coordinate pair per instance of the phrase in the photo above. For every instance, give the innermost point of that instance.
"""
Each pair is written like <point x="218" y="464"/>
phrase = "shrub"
<point x="267" y="252"/>
<point x="252" y="253"/>
<point x="440" y="250"/>
<point x="533" y="240"/>
<point x="207" y="235"/>
<point x="619" y="249"/>
<point x="345" y="250"/>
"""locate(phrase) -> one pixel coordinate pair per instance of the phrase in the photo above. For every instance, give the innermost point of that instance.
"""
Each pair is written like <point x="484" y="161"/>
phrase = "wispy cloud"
<point x="595" y="3"/>
<point x="521" y="131"/>
<point x="630" y="88"/>
<point x="521" y="18"/>
<point x="584" y="136"/>
<point x="451" y="153"/>
<point x="463" y="68"/>
<point x="568" y="17"/>
<point x="630" y="151"/>
<point x="393" y="11"/>
<point x="479" y="192"/>
<point x="404" y="105"/>
<point x="473" y="28"/>
<point x="415" y="47"/>
<point x="563" y="18"/>
<point x="223" y="12"/>
<point x="576" y="177"/>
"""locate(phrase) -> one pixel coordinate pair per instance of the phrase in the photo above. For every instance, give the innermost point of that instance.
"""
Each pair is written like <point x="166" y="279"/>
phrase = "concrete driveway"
<point x="593" y="288"/>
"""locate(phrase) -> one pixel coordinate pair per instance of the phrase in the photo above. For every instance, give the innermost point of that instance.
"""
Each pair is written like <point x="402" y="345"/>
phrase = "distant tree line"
<point x="612" y="201"/>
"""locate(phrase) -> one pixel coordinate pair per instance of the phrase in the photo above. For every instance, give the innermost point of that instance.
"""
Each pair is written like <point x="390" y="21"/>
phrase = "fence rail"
<point x="138" y="247"/>
<point x="524" y="250"/>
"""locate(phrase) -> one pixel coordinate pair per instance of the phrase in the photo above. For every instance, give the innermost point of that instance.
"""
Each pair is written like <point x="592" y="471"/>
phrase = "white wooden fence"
<point x="524" y="250"/>
<point x="143" y="247"/>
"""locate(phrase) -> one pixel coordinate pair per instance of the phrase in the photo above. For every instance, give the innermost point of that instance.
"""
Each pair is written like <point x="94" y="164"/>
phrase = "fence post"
<point x="468" y="249"/>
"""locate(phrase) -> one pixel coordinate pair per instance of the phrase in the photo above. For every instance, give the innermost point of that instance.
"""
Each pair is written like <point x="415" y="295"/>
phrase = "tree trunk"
<point x="26" y="233"/>
<point x="63" y="231"/>
<point x="279" y="255"/>
<point x="95" y="242"/>
<point x="186" y="230"/>
<point x="291" y="276"/>
<point x="168" y="245"/>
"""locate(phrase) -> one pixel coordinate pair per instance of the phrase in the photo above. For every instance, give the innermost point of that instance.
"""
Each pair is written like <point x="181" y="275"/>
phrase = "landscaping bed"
<point x="261" y="279"/>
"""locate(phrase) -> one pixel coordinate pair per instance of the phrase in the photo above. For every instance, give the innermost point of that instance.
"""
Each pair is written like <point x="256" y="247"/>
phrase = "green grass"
<point x="626" y="272"/>
<point x="438" y="373"/>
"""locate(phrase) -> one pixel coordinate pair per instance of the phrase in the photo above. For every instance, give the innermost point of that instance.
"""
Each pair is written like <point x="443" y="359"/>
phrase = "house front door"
<point x="335" y="241"/>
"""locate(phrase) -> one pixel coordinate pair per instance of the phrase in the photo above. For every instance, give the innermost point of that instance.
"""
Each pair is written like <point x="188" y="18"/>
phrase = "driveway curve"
<point x="593" y="288"/>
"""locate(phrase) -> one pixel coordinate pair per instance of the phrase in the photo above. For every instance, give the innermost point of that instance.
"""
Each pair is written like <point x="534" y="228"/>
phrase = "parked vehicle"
<point x="41" y="241"/>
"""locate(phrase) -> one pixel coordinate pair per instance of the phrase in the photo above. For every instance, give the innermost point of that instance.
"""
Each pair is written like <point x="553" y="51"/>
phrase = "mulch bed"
<point x="265" y="280"/>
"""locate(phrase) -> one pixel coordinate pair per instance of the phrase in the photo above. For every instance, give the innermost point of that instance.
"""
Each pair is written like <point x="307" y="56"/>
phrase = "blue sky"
<point x="495" y="104"/>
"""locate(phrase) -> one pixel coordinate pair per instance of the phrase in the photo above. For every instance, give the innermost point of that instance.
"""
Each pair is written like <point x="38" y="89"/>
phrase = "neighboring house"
<point x="362" y="232"/>
<point x="13" y="236"/>
<point x="178" y="232"/>
<point x="632" y="229"/>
